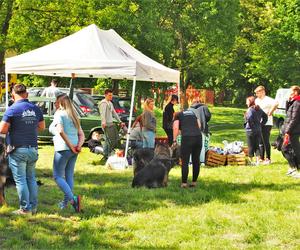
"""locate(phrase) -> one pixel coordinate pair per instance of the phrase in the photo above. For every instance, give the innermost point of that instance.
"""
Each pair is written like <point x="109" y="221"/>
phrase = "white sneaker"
<point x="296" y="175"/>
<point x="291" y="171"/>
<point x="267" y="162"/>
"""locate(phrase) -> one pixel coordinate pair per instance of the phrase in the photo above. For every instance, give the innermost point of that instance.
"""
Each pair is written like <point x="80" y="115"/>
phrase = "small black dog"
<point x="287" y="151"/>
<point x="155" y="173"/>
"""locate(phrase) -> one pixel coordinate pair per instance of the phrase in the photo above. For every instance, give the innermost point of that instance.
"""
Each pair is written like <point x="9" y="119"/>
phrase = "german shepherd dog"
<point x="287" y="151"/>
<point x="154" y="173"/>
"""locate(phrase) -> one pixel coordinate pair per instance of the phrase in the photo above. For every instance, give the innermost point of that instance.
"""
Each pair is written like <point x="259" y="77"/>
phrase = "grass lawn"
<point x="231" y="208"/>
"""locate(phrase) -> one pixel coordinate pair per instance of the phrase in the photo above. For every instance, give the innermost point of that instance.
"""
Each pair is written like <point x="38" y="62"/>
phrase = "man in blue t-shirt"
<point x="21" y="122"/>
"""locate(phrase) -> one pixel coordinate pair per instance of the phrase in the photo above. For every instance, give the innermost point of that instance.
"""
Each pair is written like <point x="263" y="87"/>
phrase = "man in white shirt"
<point x="52" y="90"/>
<point x="268" y="105"/>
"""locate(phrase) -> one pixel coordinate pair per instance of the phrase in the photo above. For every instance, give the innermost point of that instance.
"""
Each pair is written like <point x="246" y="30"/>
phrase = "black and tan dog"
<point x="151" y="168"/>
<point x="287" y="151"/>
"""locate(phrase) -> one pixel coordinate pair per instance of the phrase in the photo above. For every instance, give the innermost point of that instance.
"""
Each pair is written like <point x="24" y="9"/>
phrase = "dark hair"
<point x="174" y="98"/>
<point x="251" y="100"/>
<point x="107" y="91"/>
<point x="55" y="81"/>
<point x="19" y="89"/>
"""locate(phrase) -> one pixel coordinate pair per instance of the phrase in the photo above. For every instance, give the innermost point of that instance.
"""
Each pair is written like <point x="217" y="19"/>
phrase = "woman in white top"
<point x="268" y="105"/>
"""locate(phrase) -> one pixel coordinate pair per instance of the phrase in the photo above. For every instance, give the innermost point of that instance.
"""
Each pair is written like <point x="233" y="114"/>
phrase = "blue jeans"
<point x="63" y="172"/>
<point x="22" y="164"/>
<point x="148" y="139"/>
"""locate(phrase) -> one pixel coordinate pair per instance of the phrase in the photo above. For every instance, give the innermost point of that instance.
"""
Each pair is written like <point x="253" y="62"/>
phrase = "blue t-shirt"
<point x="61" y="117"/>
<point x="23" y="117"/>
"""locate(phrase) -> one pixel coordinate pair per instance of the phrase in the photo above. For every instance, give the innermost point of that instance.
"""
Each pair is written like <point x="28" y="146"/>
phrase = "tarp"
<point x="91" y="52"/>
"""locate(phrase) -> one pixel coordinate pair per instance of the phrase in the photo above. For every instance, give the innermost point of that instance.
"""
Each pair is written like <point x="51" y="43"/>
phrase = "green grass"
<point x="232" y="207"/>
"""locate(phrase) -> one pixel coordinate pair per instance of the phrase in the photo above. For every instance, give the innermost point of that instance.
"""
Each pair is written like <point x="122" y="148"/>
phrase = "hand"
<point x="286" y="139"/>
<point x="74" y="149"/>
<point x="78" y="148"/>
<point x="174" y="144"/>
<point x="103" y="124"/>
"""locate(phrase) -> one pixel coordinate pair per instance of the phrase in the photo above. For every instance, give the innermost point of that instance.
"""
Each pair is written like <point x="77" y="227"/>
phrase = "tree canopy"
<point x="228" y="46"/>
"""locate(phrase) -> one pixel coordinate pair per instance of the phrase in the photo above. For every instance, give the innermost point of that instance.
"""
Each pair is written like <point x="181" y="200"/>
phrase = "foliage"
<point x="228" y="46"/>
<point x="233" y="207"/>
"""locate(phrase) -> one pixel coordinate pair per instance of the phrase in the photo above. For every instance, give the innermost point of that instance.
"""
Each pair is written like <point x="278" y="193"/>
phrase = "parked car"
<point x="282" y="95"/>
<point x="121" y="105"/>
<point x="84" y="100"/>
<point x="89" y="123"/>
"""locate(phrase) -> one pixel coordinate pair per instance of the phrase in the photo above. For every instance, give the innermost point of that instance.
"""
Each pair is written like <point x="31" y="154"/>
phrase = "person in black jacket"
<point x="291" y="128"/>
<point x="255" y="117"/>
<point x="168" y="118"/>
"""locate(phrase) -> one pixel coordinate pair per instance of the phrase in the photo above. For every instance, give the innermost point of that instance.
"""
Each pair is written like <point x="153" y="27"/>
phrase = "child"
<point x="94" y="143"/>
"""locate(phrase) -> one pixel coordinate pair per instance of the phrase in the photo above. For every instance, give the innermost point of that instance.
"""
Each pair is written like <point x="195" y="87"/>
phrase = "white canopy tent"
<point x="92" y="52"/>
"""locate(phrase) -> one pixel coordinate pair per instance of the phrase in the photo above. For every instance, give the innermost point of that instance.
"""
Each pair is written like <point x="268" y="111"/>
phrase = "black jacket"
<point x="168" y="116"/>
<point x="292" y="120"/>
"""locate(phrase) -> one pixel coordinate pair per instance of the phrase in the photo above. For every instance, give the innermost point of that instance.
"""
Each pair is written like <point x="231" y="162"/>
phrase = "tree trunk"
<point x="115" y="86"/>
<point x="4" y="28"/>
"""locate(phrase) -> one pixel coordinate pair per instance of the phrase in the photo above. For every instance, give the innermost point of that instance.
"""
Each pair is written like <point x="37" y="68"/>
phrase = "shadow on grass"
<point x="111" y="193"/>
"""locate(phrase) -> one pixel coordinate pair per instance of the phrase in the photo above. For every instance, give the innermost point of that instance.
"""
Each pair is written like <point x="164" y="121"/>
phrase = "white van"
<point x="282" y="95"/>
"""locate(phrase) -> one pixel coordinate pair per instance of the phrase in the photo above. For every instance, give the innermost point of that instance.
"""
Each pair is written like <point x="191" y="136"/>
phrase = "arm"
<point x="61" y="132"/>
<point x="4" y="127"/>
<point x="102" y="109"/>
<point x="264" y="118"/>
<point x="41" y="125"/>
<point x="274" y="107"/>
<point x="81" y="139"/>
<point x="175" y="129"/>
<point x="295" y="117"/>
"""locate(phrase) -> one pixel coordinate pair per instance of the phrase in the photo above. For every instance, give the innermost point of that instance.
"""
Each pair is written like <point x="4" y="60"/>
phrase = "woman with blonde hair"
<point x="68" y="140"/>
<point x="149" y="124"/>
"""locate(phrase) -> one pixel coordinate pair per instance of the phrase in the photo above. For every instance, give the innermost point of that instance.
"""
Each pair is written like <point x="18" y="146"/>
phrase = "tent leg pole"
<point x="6" y="90"/>
<point x="130" y="116"/>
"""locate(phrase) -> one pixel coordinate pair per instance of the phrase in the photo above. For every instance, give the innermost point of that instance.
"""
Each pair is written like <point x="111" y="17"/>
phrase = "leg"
<point x="31" y="180"/>
<point x="197" y="146"/>
<point x="261" y="146"/>
<point x="185" y="157"/>
<point x="266" y="138"/>
<point x="202" y="152"/>
<point x="69" y="173"/>
<point x="296" y="146"/>
<point x="251" y="148"/>
<point x="169" y="133"/>
<point x="60" y="162"/>
<point x="17" y="163"/>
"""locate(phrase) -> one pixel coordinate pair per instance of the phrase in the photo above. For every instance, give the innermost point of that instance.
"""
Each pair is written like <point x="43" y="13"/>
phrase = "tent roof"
<point x="91" y="52"/>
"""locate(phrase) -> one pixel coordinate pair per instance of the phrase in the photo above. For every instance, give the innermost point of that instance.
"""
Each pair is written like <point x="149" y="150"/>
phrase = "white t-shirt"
<point x="50" y="91"/>
<point x="266" y="104"/>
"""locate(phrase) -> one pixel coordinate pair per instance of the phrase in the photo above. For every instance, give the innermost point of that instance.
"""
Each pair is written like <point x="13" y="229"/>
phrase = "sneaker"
<point x="291" y="171"/>
<point x="76" y="203"/>
<point x="21" y="212"/>
<point x="267" y="162"/>
<point x="296" y="175"/>
<point x="62" y="205"/>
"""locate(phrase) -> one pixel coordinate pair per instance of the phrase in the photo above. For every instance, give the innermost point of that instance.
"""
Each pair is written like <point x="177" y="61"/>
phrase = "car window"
<point x="86" y="99"/>
<point x="124" y="103"/>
